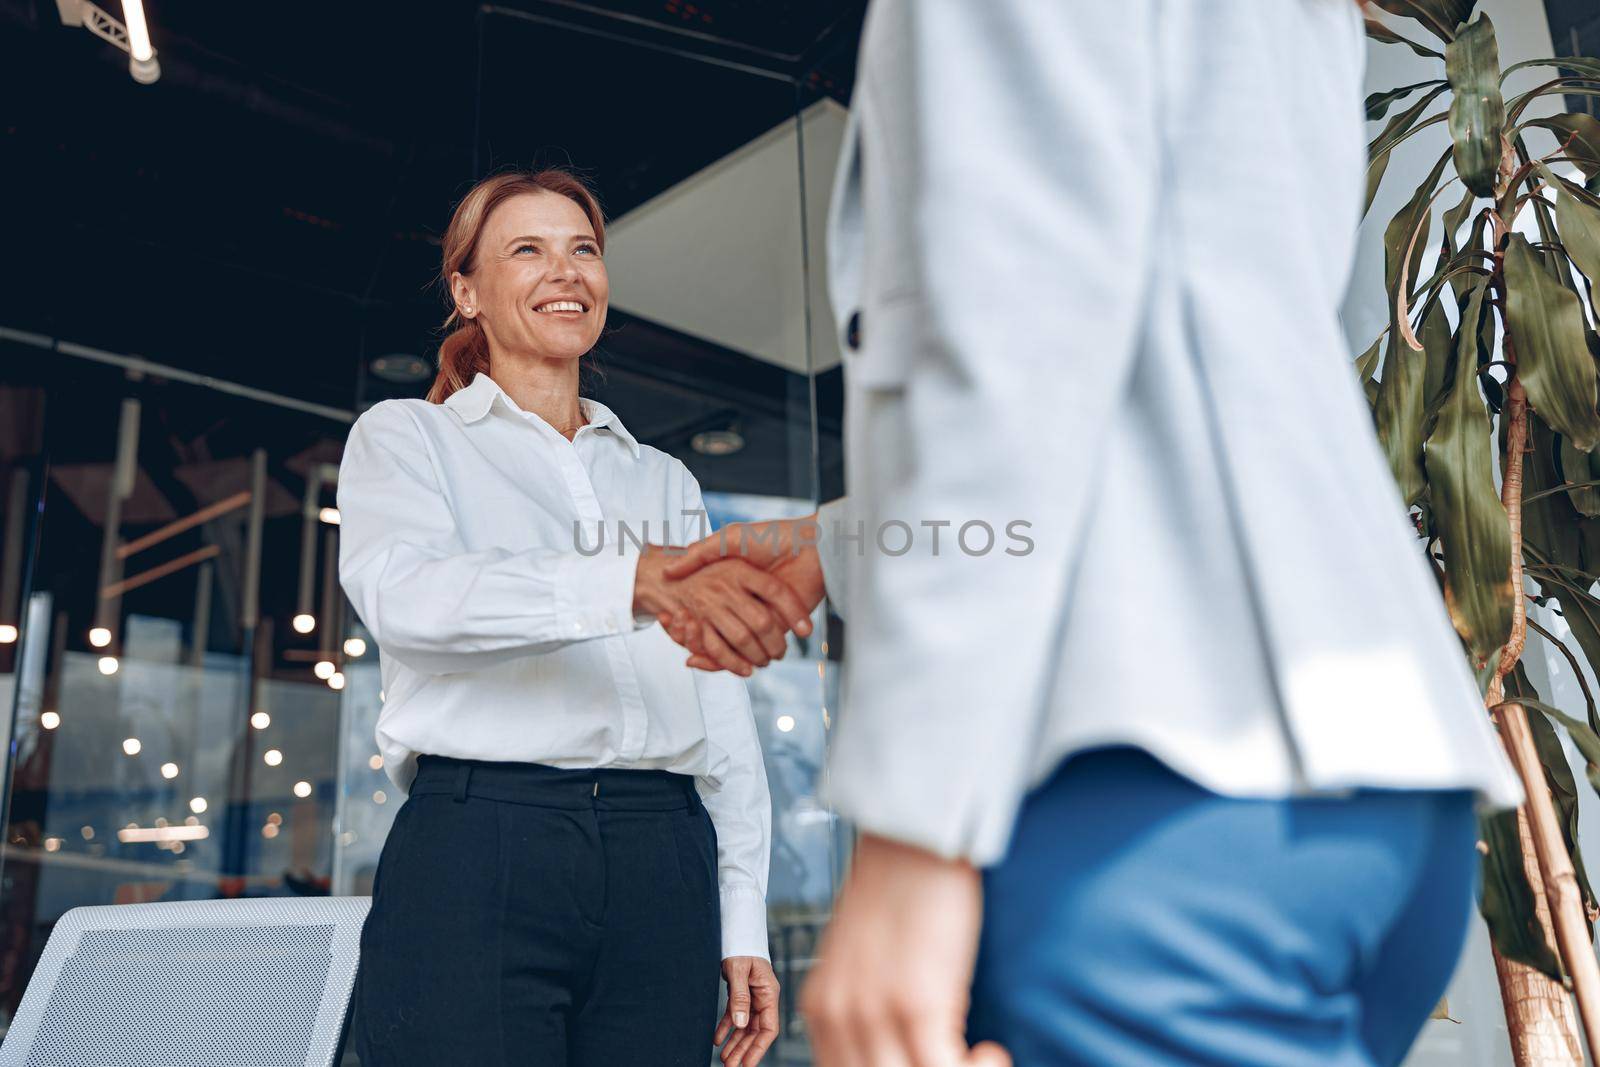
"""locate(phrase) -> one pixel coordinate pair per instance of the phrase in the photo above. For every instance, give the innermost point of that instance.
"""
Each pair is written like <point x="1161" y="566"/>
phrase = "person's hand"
<point x="760" y="543"/>
<point x="750" y="1024"/>
<point x="802" y="573"/>
<point x="892" y="985"/>
<point x="730" y="612"/>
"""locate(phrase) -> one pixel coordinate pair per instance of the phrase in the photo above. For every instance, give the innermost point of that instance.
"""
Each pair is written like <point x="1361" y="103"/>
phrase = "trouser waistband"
<point x="554" y="787"/>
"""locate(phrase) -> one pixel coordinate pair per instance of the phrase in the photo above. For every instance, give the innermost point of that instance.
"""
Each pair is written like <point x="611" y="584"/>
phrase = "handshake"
<point x="732" y="598"/>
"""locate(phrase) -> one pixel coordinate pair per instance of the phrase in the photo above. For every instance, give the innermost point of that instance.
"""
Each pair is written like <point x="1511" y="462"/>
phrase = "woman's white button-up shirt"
<point x="493" y="560"/>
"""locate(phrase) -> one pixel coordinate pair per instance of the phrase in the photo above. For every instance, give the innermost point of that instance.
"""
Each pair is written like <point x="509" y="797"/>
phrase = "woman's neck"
<point x="546" y="387"/>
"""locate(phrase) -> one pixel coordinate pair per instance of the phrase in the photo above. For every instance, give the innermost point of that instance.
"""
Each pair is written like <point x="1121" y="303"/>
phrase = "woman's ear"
<point x="461" y="291"/>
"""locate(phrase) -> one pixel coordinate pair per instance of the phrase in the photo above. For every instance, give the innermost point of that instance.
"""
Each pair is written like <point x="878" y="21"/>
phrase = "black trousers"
<point x="549" y="918"/>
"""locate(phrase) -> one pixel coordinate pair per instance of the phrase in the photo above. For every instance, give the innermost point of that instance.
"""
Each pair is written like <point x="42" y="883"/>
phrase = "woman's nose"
<point x="563" y="266"/>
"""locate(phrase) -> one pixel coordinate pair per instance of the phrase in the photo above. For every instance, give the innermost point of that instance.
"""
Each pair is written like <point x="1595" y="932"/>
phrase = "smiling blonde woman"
<point x="587" y="829"/>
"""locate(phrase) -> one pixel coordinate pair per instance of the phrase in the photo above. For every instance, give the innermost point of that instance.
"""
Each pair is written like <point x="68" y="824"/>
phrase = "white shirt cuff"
<point x="594" y="594"/>
<point x="744" y="922"/>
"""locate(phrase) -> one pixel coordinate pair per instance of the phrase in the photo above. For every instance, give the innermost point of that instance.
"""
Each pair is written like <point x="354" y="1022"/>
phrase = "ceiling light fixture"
<point x="402" y="368"/>
<point x="132" y="34"/>
<point x="717" y="442"/>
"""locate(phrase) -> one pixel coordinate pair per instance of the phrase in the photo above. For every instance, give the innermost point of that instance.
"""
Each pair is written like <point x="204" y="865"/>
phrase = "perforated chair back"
<point x="241" y="983"/>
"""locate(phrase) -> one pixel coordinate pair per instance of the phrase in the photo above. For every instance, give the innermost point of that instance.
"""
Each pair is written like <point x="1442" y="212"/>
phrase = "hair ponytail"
<point x="462" y="354"/>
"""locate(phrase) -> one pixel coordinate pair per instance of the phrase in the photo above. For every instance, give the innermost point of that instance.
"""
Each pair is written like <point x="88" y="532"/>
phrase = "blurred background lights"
<point x="108" y="665"/>
<point x="354" y="647"/>
<point x="272" y="757"/>
<point x="302" y="789"/>
<point x="197" y="805"/>
<point x="169" y="770"/>
<point x="50" y="720"/>
<point x="304" y="624"/>
<point x="323" y="669"/>
<point x="99" y="637"/>
<point x="131" y="746"/>
<point x="261" y="720"/>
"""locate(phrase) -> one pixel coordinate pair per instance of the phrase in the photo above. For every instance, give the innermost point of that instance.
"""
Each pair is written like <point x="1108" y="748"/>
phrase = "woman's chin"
<point x="556" y="348"/>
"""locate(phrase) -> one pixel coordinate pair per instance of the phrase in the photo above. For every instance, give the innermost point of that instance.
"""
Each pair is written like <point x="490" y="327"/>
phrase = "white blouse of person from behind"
<point x="502" y="634"/>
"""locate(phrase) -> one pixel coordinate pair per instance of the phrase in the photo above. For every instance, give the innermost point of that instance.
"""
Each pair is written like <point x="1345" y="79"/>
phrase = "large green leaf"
<point x="1440" y="17"/>
<point x="1546" y="323"/>
<point x="1436" y="346"/>
<point x="1581" y="135"/>
<point x="1578" y="223"/>
<point x="1399" y="415"/>
<point x="1578" y="468"/>
<point x="1472" y="524"/>
<point x="1477" y="110"/>
<point x="1407" y="233"/>
<point x="1379" y="32"/>
<point x="1508" y="903"/>
<point x="1551" y="250"/>
<point x="1378" y="103"/>
<point x="1366" y="363"/>
<point x="1549" y="522"/>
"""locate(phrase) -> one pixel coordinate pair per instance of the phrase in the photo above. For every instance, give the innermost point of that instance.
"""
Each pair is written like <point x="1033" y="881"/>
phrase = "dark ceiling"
<point x="268" y="212"/>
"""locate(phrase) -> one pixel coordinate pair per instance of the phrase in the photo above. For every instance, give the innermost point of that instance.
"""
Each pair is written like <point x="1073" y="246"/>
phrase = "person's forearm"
<point x="445" y="614"/>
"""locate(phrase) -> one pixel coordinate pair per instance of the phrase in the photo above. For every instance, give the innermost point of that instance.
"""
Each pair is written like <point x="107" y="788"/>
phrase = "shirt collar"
<point x="474" y="401"/>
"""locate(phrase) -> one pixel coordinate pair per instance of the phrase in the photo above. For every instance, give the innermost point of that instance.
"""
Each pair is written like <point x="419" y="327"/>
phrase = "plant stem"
<point x="1538" y="1012"/>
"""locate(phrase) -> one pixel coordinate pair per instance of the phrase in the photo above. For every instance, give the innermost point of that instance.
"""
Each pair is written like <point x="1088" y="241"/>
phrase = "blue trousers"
<point x="1140" y="920"/>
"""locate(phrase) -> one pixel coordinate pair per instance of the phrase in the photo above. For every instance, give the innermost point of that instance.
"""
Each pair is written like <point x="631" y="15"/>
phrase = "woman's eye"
<point x="525" y="248"/>
<point x="591" y="249"/>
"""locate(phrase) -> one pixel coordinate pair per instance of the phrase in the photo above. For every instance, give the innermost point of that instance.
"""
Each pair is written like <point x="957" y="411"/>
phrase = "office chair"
<point x="213" y="983"/>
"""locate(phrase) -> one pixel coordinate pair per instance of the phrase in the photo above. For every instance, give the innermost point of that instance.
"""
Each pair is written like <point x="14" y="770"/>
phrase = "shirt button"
<point x="852" y="332"/>
<point x="577" y="627"/>
<point x="611" y="626"/>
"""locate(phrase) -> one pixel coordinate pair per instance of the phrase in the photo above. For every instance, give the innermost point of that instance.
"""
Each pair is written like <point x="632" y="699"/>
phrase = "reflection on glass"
<point x="162" y="704"/>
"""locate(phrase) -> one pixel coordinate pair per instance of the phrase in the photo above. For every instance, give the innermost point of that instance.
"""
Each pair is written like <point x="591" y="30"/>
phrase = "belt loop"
<point x="463" y="779"/>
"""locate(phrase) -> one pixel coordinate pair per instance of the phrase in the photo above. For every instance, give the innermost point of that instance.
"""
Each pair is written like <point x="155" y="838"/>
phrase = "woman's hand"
<point x="750" y="1024"/>
<point x="891" y="988"/>
<point x="730" y="612"/>
<point x="802" y="573"/>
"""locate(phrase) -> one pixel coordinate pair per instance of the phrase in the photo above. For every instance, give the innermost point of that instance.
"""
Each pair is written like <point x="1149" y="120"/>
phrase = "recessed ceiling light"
<point x="402" y="368"/>
<point x="717" y="442"/>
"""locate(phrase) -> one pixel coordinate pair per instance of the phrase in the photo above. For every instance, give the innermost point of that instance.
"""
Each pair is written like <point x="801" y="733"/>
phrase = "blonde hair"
<point x="465" y="348"/>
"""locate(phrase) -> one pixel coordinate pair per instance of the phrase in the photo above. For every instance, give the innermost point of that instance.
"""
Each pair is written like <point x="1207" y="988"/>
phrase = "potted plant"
<point x="1489" y="364"/>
